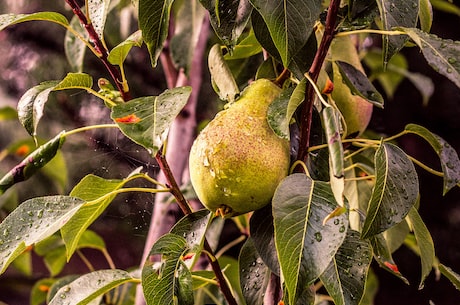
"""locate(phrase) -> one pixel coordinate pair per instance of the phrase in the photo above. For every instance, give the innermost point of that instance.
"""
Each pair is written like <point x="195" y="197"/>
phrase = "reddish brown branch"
<point x="100" y="48"/>
<point x="307" y="110"/>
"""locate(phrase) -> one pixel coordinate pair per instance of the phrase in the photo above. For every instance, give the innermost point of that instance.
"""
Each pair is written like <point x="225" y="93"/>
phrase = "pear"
<point x="237" y="161"/>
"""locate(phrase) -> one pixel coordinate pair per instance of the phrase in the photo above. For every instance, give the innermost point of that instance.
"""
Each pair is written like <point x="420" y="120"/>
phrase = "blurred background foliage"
<point x="33" y="52"/>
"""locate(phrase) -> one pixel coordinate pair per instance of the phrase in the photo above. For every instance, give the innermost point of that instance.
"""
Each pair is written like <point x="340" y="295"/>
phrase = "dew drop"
<point x="336" y="221"/>
<point x="342" y="229"/>
<point x="318" y="236"/>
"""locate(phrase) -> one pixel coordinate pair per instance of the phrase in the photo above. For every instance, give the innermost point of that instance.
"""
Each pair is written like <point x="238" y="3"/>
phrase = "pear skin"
<point x="237" y="161"/>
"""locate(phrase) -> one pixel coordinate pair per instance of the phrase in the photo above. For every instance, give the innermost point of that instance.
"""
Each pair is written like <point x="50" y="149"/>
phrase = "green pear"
<point x="237" y="161"/>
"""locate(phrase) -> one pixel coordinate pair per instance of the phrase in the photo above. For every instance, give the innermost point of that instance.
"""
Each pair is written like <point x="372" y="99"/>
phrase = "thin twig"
<point x="100" y="48"/>
<point x="307" y="109"/>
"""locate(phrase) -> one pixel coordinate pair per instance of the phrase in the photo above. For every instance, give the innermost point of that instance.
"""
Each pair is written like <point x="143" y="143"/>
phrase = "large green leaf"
<point x="169" y="281"/>
<point x="254" y="274"/>
<point x="228" y="18"/>
<point x="32" y="163"/>
<point x="154" y="24"/>
<point x="393" y="14"/>
<point x="448" y="156"/>
<point x="441" y="54"/>
<point x="424" y="243"/>
<point x="305" y="245"/>
<point x="290" y="23"/>
<point x="32" y="103"/>
<point x="395" y="191"/>
<point x="10" y="19"/>
<point x="345" y="277"/>
<point x="145" y="120"/>
<point x="90" y="188"/>
<point x="33" y="221"/>
<point x="90" y="286"/>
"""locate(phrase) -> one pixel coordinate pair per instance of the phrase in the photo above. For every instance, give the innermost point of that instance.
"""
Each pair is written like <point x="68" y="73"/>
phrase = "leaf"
<point x="425" y="15"/>
<point x="169" y="281"/>
<point x="119" y="53"/>
<point x="154" y="24"/>
<point x="288" y="29"/>
<point x="10" y="19"/>
<point x="32" y="163"/>
<point x="448" y="156"/>
<point x="32" y="103"/>
<point x="424" y="242"/>
<point x="155" y="113"/>
<point x="247" y="47"/>
<point x="395" y="191"/>
<point x="277" y="115"/>
<point x="33" y="221"/>
<point x="254" y="274"/>
<point x="393" y="14"/>
<point x="188" y="26"/>
<point x="331" y="128"/>
<point x="75" y="47"/>
<point x="228" y="18"/>
<point x="98" y="10"/>
<point x="345" y="277"/>
<point x="441" y="54"/>
<point x="359" y="83"/>
<point x="305" y="246"/>
<point x="383" y="256"/>
<point x="8" y="113"/>
<point x="222" y="76"/>
<point x="453" y="277"/>
<point x="90" y="286"/>
<point x="446" y="6"/>
<point x="90" y="188"/>
<point x="193" y="228"/>
<point x="263" y="237"/>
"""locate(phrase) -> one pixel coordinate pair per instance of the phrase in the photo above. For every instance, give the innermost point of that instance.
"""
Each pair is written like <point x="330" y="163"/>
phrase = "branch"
<point x="307" y="110"/>
<point x="102" y="52"/>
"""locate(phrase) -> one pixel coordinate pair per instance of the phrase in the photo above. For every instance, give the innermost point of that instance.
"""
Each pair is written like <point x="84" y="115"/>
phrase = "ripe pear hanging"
<point x="237" y="161"/>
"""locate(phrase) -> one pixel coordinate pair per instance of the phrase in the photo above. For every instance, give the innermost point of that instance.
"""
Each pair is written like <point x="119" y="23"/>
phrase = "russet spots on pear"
<point x="237" y="161"/>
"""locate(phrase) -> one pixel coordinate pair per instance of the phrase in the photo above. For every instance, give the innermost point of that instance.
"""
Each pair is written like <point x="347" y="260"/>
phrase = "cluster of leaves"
<point x="356" y="202"/>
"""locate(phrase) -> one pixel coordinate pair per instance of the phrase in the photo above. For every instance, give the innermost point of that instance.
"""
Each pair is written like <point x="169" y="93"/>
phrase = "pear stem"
<point x="307" y="109"/>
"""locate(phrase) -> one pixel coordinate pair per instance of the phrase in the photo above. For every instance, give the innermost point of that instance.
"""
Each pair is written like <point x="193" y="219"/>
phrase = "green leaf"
<point x="228" y="18"/>
<point x="98" y="10"/>
<point x="277" y="115"/>
<point x="221" y="75"/>
<point x="193" y="228"/>
<point x="90" y="286"/>
<point x="32" y="163"/>
<point x="10" y="19"/>
<point x="53" y="252"/>
<point x="441" y="54"/>
<point x="32" y="103"/>
<point x="383" y="256"/>
<point x="119" y="53"/>
<point x="288" y="29"/>
<point x="453" y="277"/>
<point x="254" y="274"/>
<point x="446" y="6"/>
<point x="345" y="277"/>
<point x="145" y="120"/>
<point x="395" y="191"/>
<point x="247" y="47"/>
<point x="33" y="221"/>
<point x="169" y="281"/>
<point x="74" y="47"/>
<point x="90" y="188"/>
<point x="154" y="24"/>
<point x="8" y="113"/>
<point x="424" y="242"/>
<point x="40" y="290"/>
<point x="263" y="237"/>
<point x="425" y="15"/>
<point x="393" y="14"/>
<point x="448" y="156"/>
<point x="359" y="83"/>
<point x="23" y="263"/>
<point x="331" y="128"/>
<point x="305" y="246"/>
